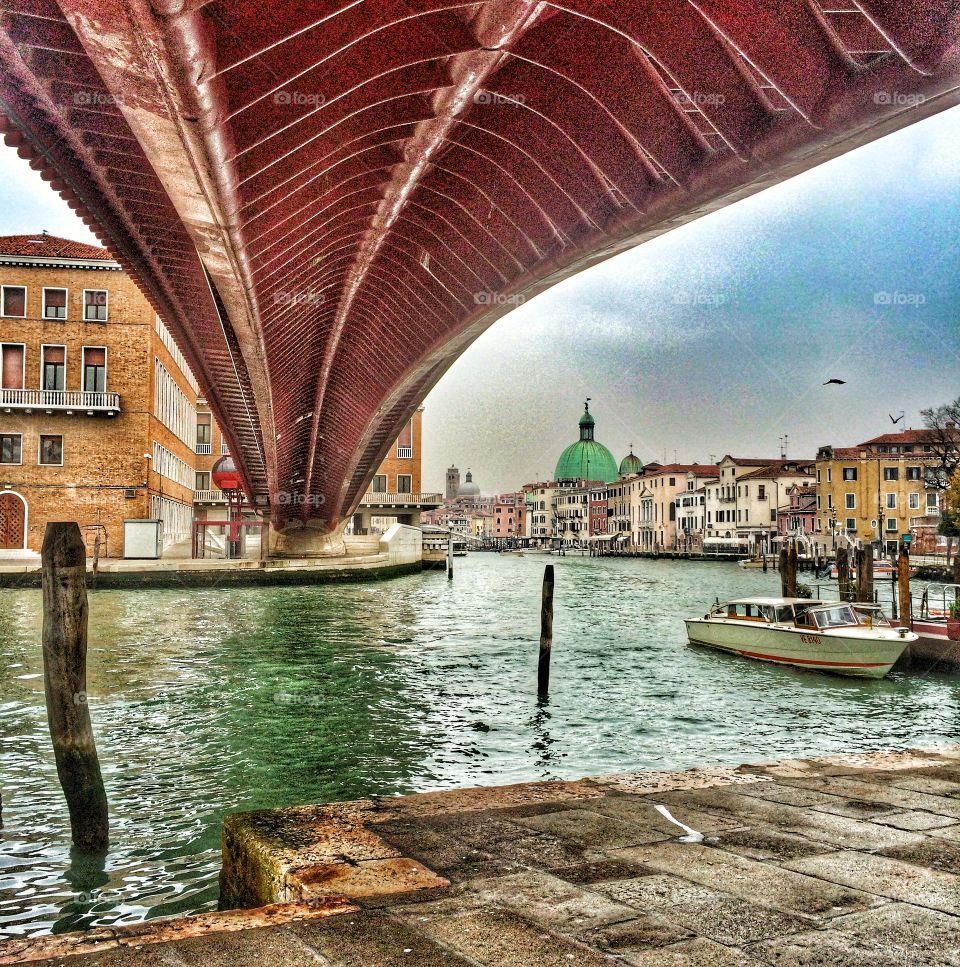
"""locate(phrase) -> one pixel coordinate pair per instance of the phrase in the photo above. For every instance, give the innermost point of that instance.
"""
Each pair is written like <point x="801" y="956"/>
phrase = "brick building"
<point x="97" y="406"/>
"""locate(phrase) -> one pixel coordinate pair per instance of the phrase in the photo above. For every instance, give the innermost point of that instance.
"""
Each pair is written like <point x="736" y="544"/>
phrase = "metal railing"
<point x="204" y="448"/>
<point x="224" y="449"/>
<point x="49" y="399"/>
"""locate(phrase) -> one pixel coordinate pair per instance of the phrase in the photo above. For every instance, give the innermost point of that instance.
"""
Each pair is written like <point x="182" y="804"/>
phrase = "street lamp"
<point x="833" y="526"/>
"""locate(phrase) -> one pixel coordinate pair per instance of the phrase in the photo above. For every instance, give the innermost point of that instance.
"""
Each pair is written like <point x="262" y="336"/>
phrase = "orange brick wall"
<point x="103" y="457"/>
<point x="393" y="465"/>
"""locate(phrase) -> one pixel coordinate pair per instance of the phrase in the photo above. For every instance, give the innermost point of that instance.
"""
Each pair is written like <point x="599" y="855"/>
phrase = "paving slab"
<point x="895" y="935"/>
<point x="885" y="877"/>
<point x="847" y="860"/>
<point x="762" y="883"/>
<point x="707" y="912"/>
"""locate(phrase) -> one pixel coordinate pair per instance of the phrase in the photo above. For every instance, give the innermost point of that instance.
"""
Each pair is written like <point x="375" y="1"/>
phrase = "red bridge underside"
<point x="328" y="201"/>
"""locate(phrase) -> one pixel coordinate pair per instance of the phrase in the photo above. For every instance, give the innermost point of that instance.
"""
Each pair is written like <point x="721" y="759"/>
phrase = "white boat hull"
<point x="860" y="653"/>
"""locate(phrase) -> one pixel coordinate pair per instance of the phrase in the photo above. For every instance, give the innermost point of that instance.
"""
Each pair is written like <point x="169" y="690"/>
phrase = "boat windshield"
<point x="836" y="616"/>
<point x="871" y="615"/>
<point x="785" y="614"/>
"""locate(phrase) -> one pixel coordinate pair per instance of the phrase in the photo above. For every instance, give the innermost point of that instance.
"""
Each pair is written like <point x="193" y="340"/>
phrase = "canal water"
<point x="210" y="701"/>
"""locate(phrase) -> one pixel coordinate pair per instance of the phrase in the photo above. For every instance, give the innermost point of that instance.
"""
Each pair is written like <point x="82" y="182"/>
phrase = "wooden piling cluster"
<point x="789" y="561"/>
<point x="64" y="565"/>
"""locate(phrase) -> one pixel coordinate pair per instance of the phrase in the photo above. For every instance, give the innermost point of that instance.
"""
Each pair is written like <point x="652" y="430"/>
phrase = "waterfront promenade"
<point x="844" y="860"/>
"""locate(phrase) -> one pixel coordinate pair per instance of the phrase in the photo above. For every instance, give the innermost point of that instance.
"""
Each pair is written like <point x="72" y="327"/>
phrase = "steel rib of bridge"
<point x="328" y="201"/>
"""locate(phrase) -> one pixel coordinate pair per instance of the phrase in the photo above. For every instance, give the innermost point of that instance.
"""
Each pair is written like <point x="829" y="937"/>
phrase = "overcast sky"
<point x="715" y="338"/>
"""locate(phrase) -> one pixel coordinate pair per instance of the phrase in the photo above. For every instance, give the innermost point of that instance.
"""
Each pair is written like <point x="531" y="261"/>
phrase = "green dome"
<point x="586" y="459"/>
<point x="631" y="463"/>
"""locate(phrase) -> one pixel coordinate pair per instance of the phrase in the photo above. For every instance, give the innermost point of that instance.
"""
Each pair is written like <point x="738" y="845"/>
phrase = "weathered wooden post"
<point x="903" y="579"/>
<point x="450" y="556"/>
<point x="792" y="565"/>
<point x="546" y="632"/>
<point x="64" y="562"/>
<point x="843" y="573"/>
<point x="784" y="570"/>
<point x="865" y="574"/>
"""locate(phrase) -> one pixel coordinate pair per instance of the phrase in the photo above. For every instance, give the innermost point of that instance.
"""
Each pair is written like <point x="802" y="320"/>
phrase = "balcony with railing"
<point x="59" y="401"/>
<point x="204" y="448"/>
<point x="209" y="497"/>
<point x="224" y="449"/>
<point x="371" y="499"/>
<point x="404" y="453"/>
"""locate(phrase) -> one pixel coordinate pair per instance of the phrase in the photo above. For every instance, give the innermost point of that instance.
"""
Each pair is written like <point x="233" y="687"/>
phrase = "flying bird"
<point x="898" y="419"/>
<point x="838" y="382"/>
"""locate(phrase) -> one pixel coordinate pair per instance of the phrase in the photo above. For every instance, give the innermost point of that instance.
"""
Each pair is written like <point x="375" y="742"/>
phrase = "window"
<point x="379" y="485"/>
<point x="932" y="503"/>
<point x="851" y="523"/>
<point x="891" y="523"/>
<point x="94" y="369"/>
<point x="762" y="491"/>
<point x="204" y="429"/>
<point x="11" y="374"/>
<point x="891" y="473"/>
<point x="95" y="305"/>
<point x="53" y="368"/>
<point x="10" y="448"/>
<point x="404" y="483"/>
<point x="829" y="501"/>
<point x="203" y="480"/>
<point x="54" y="303"/>
<point x="13" y="301"/>
<point x="673" y="481"/>
<point x="891" y="501"/>
<point x="829" y="474"/>
<point x="51" y="450"/>
<point x="850" y="501"/>
<point x="914" y="501"/>
<point x="849" y="473"/>
<point x="913" y="473"/>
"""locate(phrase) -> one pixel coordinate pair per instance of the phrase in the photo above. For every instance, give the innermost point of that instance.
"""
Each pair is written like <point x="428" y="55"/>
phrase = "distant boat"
<point x="825" y="636"/>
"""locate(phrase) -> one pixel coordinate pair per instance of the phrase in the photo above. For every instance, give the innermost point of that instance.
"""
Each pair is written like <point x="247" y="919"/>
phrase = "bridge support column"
<point x="313" y="539"/>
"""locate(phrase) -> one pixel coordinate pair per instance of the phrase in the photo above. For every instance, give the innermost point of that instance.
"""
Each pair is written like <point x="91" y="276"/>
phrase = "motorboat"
<point x="830" y="636"/>
<point x="881" y="570"/>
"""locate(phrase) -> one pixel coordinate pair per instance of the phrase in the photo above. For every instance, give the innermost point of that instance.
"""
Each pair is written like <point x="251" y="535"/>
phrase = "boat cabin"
<point x="801" y="613"/>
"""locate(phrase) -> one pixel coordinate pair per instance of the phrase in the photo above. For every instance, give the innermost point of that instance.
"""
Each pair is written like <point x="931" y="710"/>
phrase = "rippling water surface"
<point x="210" y="701"/>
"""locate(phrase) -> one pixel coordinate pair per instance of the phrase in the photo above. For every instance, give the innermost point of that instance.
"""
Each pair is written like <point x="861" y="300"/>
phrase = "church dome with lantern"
<point x="586" y="459"/>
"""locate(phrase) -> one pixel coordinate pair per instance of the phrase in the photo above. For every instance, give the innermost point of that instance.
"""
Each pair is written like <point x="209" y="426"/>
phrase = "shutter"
<point x="406" y="435"/>
<point x="95" y="356"/>
<point x="14" y="301"/>
<point x="12" y="367"/>
<point x="53" y="354"/>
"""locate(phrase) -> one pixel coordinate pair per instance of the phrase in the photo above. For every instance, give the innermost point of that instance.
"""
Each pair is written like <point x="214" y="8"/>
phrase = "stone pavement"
<point x="848" y="860"/>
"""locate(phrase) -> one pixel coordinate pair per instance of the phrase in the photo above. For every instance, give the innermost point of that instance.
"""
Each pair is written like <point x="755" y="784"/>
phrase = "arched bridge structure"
<point x="328" y="200"/>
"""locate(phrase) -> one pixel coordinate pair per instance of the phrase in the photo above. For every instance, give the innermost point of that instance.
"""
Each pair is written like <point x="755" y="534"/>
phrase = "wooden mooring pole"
<point x="865" y="574"/>
<point x="546" y="632"/>
<point x="450" y="557"/>
<point x="64" y="563"/>
<point x="903" y="580"/>
<point x="792" y="565"/>
<point x="843" y="573"/>
<point x="784" y="559"/>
